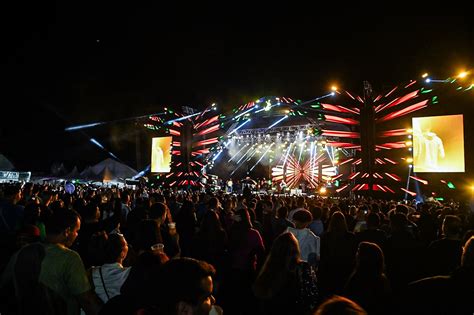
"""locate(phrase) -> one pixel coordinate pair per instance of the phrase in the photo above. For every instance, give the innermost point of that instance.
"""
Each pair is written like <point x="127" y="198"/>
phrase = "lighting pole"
<point x="367" y="136"/>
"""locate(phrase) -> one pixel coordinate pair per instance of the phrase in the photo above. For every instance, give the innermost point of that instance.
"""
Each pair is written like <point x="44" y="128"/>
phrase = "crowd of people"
<point x="152" y="251"/>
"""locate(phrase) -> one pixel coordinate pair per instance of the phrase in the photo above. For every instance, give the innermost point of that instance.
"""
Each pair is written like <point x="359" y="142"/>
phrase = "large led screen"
<point x="160" y="154"/>
<point x="438" y="144"/>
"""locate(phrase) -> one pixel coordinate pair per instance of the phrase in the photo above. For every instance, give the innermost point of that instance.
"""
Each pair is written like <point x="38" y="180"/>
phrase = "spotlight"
<point x="424" y="75"/>
<point x="322" y="190"/>
<point x="427" y="80"/>
<point x="409" y="160"/>
<point x="462" y="75"/>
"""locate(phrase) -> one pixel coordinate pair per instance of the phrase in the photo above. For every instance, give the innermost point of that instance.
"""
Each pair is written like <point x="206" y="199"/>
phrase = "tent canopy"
<point x="108" y="170"/>
<point x="5" y="164"/>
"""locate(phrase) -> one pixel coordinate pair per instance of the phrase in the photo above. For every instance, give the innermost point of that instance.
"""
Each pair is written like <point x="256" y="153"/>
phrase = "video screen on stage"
<point x="161" y="154"/>
<point x="438" y="144"/>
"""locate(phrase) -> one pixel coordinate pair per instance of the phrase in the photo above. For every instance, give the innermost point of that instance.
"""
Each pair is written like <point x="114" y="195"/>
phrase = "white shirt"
<point x="114" y="276"/>
<point x="308" y="241"/>
<point x="428" y="151"/>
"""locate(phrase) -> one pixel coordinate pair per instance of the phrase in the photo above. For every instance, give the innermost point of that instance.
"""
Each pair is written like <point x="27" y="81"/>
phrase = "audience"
<point x="50" y="278"/>
<point x="154" y="251"/>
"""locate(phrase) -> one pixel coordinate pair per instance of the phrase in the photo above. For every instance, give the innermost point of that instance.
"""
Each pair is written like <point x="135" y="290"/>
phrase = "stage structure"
<point x="339" y="137"/>
<point x="194" y="133"/>
<point x="369" y="118"/>
<point x="277" y="134"/>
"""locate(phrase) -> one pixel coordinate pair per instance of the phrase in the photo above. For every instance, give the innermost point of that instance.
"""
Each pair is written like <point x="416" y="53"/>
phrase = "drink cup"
<point x="158" y="247"/>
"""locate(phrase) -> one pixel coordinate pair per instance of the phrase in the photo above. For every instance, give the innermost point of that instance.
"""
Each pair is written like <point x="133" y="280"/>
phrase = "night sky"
<point x="64" y="66"/>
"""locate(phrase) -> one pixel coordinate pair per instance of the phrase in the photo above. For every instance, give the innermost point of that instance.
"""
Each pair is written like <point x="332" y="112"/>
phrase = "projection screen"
<point x="161" y="155"/>
<point x="438" y="144"/>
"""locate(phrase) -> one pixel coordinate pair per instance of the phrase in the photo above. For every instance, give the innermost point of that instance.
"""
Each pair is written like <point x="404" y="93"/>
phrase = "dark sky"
<point x="64" y="66"/>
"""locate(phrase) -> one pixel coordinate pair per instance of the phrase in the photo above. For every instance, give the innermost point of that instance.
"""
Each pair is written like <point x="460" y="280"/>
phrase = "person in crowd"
<point x="90" y="226"/>
<point x="202" y="206"/>
<point x="360" y="217"/>
<point x="373" y="233"/>
<point x="126" y="203"/>
<point x="309" y="243"/>
<point x="316" y="226"/>
<point x="11" y="213"/>
<point x="50" y="278"/>
<point x="410" y="225"/>
<point x="32" y="216"/>
<point x="338" y="305"/>
<point x="247" y="251"/>
<point x="265" y="216"/>
<point x="286" y="284"/>
<point x="338" y="249"/>
<point x="403" y="253"/>
<point x="368" y="285"/>
<point x="427" y="224"/>
<point x="169" y="236"/>
<point x="186" y="223"/>
<point x="213" y="204"/>
<point x="281" y="223"/>
<point x="188" y="289"/>
<point x="445" y="253"/>
<point x="211" y="245"/>
<point x="174" y="204"/>
<point x="226" y="214"/>
<point x="450" y="294"/>
<point x="138" y="291"/>
<point x="109" y="278"/>
<point x="300" y="205"/>
<point x="350" y="214"/>
<point x="27" y="234"/>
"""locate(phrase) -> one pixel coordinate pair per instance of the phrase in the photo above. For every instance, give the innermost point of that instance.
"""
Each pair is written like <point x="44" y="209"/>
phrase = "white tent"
<point x="109" y="170"/>
<point x="74" y="174"/>
<point x="5" y="164"/>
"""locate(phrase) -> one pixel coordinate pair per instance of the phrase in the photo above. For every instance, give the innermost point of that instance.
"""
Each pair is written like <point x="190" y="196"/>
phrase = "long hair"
<point x="186" y="219"/>
<point x="370" y="260"/>
<point x="278" y="267"/>
<point x="338" y="224"/>
<point x="211" y="227"/>
<point x="239" y="229"/>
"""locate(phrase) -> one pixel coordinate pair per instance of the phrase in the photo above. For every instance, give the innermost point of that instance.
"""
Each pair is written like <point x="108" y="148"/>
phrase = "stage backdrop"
<point x="161" y="154"/>
<point x="438" y="144"/>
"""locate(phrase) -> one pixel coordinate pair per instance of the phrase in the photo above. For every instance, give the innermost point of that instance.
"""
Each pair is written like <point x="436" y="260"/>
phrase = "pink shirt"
<point x="245" y="257"/>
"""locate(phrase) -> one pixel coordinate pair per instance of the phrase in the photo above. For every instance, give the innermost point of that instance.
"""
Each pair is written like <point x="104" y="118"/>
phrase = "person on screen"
<point x="158" y="157"/>
<point x="428" y="149"/>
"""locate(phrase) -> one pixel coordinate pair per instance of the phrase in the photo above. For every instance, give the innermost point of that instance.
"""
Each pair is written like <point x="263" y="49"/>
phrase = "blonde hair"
<point x="467" y="258"/>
